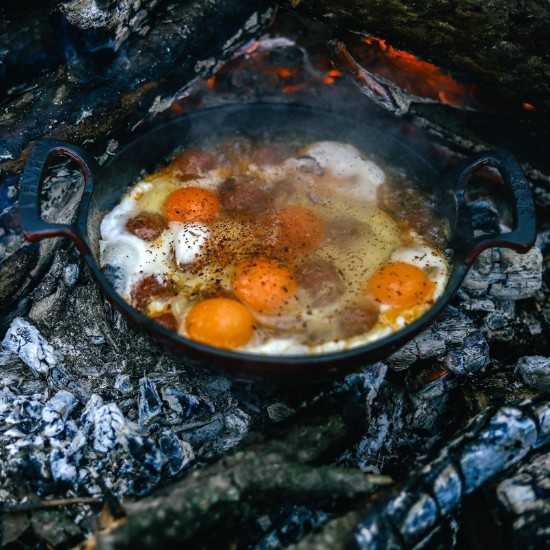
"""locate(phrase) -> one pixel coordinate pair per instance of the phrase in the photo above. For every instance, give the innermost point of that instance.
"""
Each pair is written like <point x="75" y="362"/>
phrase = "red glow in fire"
<point x="419" y="77"/>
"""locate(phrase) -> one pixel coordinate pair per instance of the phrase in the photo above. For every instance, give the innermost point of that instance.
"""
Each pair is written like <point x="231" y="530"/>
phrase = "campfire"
<point x="107" y="440"/>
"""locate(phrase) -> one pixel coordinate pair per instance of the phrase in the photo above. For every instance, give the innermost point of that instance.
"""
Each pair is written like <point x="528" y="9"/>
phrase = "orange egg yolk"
<point x="294" y="228"/>
<point x="400" y="284"/>
<point x="191" y="204"/>
<point x="265" y="285"/>
<point x="220" y="322"/>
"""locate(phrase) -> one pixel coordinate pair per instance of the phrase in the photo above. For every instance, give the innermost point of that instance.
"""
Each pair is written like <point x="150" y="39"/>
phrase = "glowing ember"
<point x="418" y="77"/>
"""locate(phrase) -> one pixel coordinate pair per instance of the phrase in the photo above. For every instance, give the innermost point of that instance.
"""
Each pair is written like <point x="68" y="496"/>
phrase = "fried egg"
<point x="254" y="281"/>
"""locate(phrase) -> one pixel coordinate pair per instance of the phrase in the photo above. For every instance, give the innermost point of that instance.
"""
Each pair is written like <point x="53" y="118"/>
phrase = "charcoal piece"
<point x="51" y="294"/>
<point x="19" y="261"/>
<point x="509" y="437"/>
<point x="499" y="327"/>
<point x="534" y="371"/>
<point x="203" y="435"/>
<point x="442" y="336"/>
<point x="475" y="305"/>
<point x="413" y="514"/>
<point x="185" y="404"/>
<point x="177" y="452"/>
<point x="26" y="414"/>
<point x="293" y="529"/>
<point x="375" y="533"/>
<point x="143" y="482"/>
<point x="75" y="441"/>
<point x="7" y="399"/>
<point x="484" y="215"/>
<point x="236" y="424"/>
<point x="542" y="415"/>
<point x="505" y="274"/>
<point x="145" y="452"/>
<point x="429" y="381"/>
<point x="523" y="274"/>
<point x="278" y="412"/>
<point x="150" y="404"/>
<point x="22" y="442"/>
<point x="367" y="383"/>
<point x="25" y="340"/>
<point x="473" y="356"/>
<point x="87" y="417"/>
<point x="61" y="379"/>
<point x="32" y="466"/>
<point x="56" y="412"/>
<point x="108" y="422"/>
<point x="524" y="504"/>
<point x="426" y="345"/>
<point x="431" y="414"/>
<point x="383" y="426"/>
<point x="444" y="483"/>
<point x="123" y="384"/>
<point x="63" y="471"/>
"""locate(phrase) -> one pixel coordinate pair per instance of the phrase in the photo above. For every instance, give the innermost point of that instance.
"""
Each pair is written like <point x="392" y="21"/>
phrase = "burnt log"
<point x="492" y="442"/>
<point x="500" y="44"/>
<point x="224" y="496"/>
<point x="96" y="26"/>
<point x="82" y="105"/>
<point x="496" y="53"/>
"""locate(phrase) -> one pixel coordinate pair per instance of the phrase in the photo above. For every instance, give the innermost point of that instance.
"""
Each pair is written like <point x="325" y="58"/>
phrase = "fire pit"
<point x="103" y="435"/>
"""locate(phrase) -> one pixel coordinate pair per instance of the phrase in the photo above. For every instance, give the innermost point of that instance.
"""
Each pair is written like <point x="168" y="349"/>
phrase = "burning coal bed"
<point x="445" y="443"/>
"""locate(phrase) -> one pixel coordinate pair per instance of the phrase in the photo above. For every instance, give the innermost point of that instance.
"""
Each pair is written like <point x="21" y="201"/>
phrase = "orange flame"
<point x="420" y="78"/>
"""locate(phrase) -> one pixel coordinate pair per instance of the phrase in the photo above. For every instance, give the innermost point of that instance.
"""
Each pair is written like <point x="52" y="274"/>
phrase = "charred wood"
<point x="83" y="106"/>
<point x="492" y="442"/>
<point x="96" y="26"/>
<point x="226" y="492"/>
<point x="500" y="44"/>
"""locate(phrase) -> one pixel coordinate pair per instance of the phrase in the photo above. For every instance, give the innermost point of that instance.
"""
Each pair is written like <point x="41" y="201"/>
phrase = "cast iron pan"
<point x="104" y="186"/>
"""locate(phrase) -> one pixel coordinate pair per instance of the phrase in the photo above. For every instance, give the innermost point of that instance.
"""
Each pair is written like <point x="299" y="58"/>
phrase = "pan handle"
<point x="523" y="235"/>
<point x="33" y="226"/>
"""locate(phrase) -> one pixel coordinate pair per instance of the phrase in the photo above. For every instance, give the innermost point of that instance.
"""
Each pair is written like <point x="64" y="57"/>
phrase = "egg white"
<point x="178" y="244"/>
<point x="429" y="260"/>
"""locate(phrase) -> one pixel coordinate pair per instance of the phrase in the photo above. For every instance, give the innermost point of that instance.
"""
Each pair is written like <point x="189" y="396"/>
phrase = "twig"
<point x="45" y="504"/>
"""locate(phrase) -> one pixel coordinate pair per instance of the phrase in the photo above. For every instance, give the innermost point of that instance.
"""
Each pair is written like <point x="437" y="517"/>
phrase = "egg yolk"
<point x="191" y="204"/>
<point x="220" y="322"/>
<point x="294" y="228"/>
<point x="400" y="284"/>
<point x="264" y="284"/>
